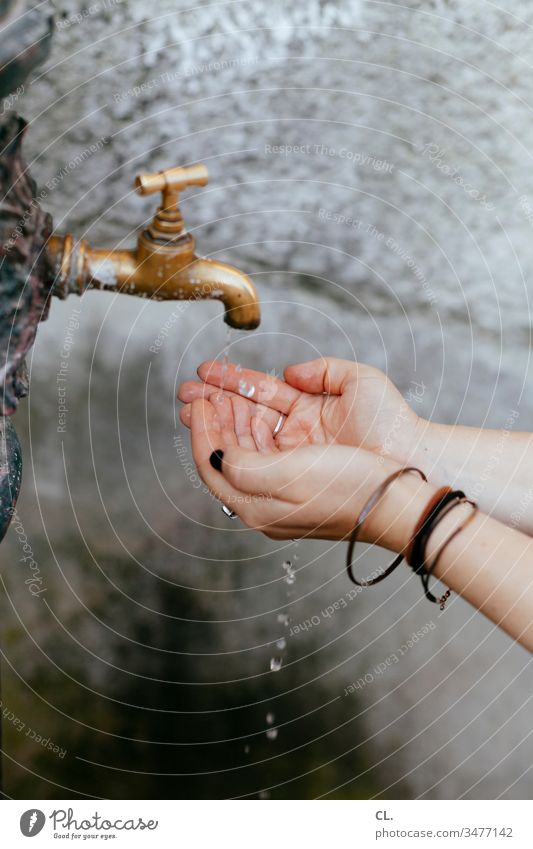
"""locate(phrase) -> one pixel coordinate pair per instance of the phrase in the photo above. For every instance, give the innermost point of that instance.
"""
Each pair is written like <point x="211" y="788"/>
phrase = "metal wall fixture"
<point x="164" y="265"/>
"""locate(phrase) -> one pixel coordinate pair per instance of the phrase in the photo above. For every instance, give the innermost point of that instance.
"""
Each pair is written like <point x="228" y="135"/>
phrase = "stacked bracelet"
<point x="429" y="521"/>
<point x="363" y="515"/>
<point x="442" y="503"/>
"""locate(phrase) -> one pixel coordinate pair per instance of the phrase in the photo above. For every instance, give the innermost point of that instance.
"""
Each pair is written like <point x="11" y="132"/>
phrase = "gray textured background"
<point x="401" y="106"/>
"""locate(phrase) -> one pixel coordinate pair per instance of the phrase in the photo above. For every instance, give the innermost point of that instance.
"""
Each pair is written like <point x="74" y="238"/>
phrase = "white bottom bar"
<point x="267" y="825"/>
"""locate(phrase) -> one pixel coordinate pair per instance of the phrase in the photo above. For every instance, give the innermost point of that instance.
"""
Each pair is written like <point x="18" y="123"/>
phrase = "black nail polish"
<point x="216" y="459"/>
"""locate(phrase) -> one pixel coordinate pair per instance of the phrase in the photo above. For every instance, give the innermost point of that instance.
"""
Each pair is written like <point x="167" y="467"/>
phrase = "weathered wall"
<point x="414" y="122"/>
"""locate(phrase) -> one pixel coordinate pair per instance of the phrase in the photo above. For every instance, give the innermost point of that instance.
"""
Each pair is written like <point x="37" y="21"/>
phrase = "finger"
<point x="266" y="474"/>
<point x="328" y="375"/>
<point x="243" y="422"/>
<point x="263" y="436"/>
<point x="292" y="439"/>
<point x="224" y="411"/>
<point x="185" y="415"/>
<point x="191" y="389"/>
<point x="206" y="437"/>
<point x="260" y="387"/>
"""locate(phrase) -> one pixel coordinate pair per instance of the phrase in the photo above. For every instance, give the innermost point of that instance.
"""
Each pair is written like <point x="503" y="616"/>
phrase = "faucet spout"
<point x="206" y="278"/>
<point x="164" y="265"/>
<point x="156" y="272"/>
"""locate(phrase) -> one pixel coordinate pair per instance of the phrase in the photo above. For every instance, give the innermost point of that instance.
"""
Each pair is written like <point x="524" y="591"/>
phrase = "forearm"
<point x="487" y="563"/>
<point x="494" y="467"/>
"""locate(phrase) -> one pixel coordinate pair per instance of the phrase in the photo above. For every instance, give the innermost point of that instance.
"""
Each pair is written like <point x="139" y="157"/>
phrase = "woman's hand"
<point x="319" y="490"/>
<point x="314" y="491"/>
<point x="320" y="402"/>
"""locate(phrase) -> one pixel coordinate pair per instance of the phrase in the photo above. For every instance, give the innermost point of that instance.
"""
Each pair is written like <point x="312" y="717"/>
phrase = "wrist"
<point x="392" y="522"/>
<point x="418" y="451"/>
<point x="444" y="530"/>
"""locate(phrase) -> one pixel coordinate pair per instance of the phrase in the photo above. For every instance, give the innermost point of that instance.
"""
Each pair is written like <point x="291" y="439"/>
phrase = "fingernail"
<point x="216" y="459"/>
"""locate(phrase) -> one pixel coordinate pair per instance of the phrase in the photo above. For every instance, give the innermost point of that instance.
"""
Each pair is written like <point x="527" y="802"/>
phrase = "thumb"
<point x="254" y="472"/>
<point x="327" y="375"/>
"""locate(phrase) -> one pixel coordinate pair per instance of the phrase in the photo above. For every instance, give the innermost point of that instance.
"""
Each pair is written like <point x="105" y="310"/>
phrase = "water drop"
<point x="275" y="664"/>
<point x="225" y="358"/>
<point x="264" y="794"/>
<point x="246" y="389"/>
<point x="247" y="750"/>
<point x="284" y="619"/>
<point x="281" y="643"/>
<point x="272" y="734"/>
<point x="290" y="577"/>
<point x="270" y="718"/>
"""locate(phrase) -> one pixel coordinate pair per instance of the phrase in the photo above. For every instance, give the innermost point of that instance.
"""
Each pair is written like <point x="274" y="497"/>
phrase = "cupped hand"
<point x="320" y="402"/>
<point x="312" y="491"/>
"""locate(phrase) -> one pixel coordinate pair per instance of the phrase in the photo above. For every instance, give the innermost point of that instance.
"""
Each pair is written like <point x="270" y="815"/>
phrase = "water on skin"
<point x="246" y="389"/>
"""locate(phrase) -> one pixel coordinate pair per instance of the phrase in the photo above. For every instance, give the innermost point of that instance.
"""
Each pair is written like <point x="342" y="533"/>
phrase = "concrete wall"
<point x="370" y="166"/>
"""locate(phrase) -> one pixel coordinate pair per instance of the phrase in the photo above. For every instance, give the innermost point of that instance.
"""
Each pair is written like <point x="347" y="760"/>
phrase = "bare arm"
<point x="494" y="467"/>
<point x="317" y="491"/>
<point x="488" y="564"/>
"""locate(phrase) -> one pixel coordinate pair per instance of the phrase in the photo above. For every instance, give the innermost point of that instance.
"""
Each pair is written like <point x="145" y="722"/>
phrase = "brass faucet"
<point x="164" y="265"/>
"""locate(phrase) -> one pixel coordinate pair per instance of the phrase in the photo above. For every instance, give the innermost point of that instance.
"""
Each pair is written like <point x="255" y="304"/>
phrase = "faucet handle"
<point x="168" y="221"/>
<point x="171" y="180"/>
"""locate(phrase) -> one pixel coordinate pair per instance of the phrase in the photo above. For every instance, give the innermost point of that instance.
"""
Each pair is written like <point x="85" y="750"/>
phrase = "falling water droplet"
<point x="290" y="577"/>
<point x="275" y="664"/>
<point x="247" y="750"/>
<point x="281" y="643"/>
<point x="272" y="734"/>
<point x="270" y="718"/>
<point x="264" y="794"/>
<point x="284" y="619"/>
<point x="225" y="358"/>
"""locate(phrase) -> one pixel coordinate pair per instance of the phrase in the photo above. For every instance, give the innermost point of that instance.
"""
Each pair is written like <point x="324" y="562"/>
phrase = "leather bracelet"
<point x="443" y="501"/>
<point x="429" y="570"/>
<point x="363" y="515"/>
<point x="433" y="505"/>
